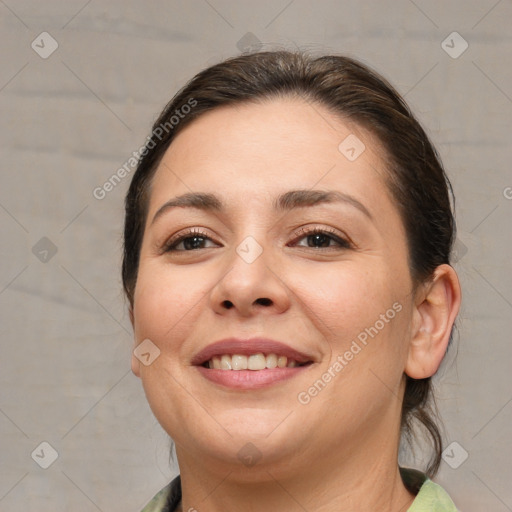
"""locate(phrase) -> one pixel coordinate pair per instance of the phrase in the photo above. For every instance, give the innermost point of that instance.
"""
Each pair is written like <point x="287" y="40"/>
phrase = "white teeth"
<point x="257" y="361"/>
<point x="239" y="362"/>
<point x="225" y="363"/>
<point x="271" y="361"/>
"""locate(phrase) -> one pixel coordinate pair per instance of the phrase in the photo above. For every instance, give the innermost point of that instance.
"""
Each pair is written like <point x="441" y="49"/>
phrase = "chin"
<point x="252" y="460"/>
<point x="252" y="441"/>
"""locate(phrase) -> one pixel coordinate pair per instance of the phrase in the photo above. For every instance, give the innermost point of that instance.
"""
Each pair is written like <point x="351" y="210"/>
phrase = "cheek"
<point x="345" y="297"/>
<point x="165" y="303"/>
<point x="165" y="296"/>
<point x="361" y="310"/>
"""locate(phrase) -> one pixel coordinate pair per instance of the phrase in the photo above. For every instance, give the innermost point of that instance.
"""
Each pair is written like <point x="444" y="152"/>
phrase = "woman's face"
<point x="252" y="267"/>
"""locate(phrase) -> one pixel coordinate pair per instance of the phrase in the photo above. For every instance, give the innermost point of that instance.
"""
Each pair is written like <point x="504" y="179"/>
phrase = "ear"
<point x="135" y="361"/>
<point x="130" y="312"/>
<point x="437" y="305"/>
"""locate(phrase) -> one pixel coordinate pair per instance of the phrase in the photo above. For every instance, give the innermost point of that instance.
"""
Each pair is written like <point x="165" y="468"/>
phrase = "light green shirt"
<point x="430" y="497"/>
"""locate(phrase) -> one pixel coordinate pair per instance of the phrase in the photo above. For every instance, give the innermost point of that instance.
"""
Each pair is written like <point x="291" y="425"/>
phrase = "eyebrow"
<point x="285" y="202"/>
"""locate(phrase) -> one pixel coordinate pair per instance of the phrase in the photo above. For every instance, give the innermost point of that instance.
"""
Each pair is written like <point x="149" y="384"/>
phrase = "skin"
<point x="339" y="451"/>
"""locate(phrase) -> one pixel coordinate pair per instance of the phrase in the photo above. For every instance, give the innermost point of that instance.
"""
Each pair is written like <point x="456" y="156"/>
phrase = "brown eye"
<point x="321" y="238"/>
<point x="188" y="241"/>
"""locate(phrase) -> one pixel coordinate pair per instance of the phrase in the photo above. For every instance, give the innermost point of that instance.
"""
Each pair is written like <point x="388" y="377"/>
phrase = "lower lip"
<point x="250" y="379"/>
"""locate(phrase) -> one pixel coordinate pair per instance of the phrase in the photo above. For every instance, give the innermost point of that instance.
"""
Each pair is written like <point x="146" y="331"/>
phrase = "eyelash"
<point x="343" y="243"/>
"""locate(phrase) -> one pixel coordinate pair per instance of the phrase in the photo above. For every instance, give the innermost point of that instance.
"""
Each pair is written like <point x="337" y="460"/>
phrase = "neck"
<point x="340" y="481"/>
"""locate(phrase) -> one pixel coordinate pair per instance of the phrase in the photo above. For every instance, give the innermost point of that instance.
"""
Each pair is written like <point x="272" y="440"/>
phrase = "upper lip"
<point x="248" y="347"/>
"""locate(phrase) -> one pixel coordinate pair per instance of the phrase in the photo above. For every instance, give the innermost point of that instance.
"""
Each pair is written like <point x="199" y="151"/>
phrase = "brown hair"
<point x="351" y="90"/>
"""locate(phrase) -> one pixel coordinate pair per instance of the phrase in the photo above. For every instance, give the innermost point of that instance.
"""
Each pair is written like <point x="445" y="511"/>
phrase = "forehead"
<point x="253" y="152"/>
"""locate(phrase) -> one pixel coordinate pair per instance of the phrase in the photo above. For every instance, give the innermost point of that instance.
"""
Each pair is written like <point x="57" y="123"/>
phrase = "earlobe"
<point x="434" y="316"/>
<point x="130" y="312"/>
<point x="135" y="362"/>
<point x="135" y="366"/>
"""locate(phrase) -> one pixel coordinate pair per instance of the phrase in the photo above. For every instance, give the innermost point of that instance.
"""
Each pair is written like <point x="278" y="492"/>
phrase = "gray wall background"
<point x="70" y="120"/>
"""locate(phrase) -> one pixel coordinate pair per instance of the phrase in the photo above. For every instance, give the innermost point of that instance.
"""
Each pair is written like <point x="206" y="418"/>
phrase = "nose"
<point x="247" y="288"/>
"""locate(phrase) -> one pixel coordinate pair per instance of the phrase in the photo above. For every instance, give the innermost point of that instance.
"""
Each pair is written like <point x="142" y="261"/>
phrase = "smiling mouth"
<point x="255" y="362"/>
<point x="250" y="364"/>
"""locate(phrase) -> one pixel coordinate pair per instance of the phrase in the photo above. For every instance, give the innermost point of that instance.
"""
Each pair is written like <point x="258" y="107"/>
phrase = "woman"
<point x="287" y="241"/>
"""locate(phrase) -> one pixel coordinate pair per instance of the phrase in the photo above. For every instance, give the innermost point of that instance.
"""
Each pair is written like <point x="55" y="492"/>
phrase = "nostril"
<point x="227" y="304"/>
<point x="264" y="302"/>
